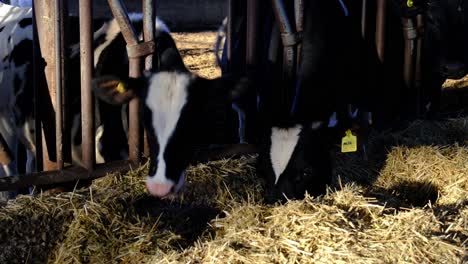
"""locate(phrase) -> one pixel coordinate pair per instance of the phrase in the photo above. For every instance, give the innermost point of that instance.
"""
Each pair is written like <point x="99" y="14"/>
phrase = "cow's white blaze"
<point x="167" y="96"/>
<point x="283" y="143"/>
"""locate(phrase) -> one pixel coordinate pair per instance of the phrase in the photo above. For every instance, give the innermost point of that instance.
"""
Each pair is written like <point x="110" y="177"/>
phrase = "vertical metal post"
<point x="252" y="33"/>
<point x="59" y="61"/>
<point x="149" y="19"/>
<point x="37" y="74"/>
<point x="285" y="28"/>
<point x="409" y="31"/>
<point x="289" y="54"/>
<point x="86" y="61"/>
<point x="299" y="17"/>
<point x="418" y="71"/>
<point x="364" y="18"/>
<point x="119" y="11"/>
<point x="380" y="28"/>
<point x="45" y="26"/>
<point x="230" y="31"/>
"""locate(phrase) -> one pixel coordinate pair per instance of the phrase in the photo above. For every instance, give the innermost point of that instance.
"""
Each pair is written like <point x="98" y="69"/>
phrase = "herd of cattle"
<point x="338" y="69"/>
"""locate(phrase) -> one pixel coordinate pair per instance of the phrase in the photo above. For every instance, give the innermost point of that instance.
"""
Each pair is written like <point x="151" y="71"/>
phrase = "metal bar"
<point x="408" y="72"/>
<point x="120" y="14"/>
<point x="252" y="33"/>
<point x="134" y="120"/>
<point x="289" y="53"/>
<point x="230" y="31"/>
<point x="5" y="153"/>
<point x="149" y="19"/>
<point x="87" y="101"/>
<point x="37" y="74"/>
<point x="380" y="28"/>
<point x="45" y="26"/>
<point x="68" y="174"/>
<point x="418" y="70"/>
<point x="119" y="11"/>
<point x="285" y="28"/>
<point x="364" y="18"/>
<point x="299" y="18"/>
<point x="58" y="34"/>
<point x="66" y="93"/>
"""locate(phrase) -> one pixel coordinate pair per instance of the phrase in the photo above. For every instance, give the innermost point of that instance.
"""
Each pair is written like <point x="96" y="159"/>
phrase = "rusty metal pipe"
<point x="380" y="28"/>
<point x="87" y="102"/>
<point x="59" y="61"/>
<point x="299" y="17"/>
<point x="286" y="29"/>
<point x="410" y="35"/>
<point x="418" y="69"/>
<point x="149" y="19"/>
<point x="44" y="14"/>
<point x="119" y="11"/>
<point x="68" y="174"/>
<point x="37" y="79"/>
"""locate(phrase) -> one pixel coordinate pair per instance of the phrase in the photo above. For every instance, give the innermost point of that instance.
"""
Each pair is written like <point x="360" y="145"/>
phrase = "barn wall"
<point x="178" y="14"/>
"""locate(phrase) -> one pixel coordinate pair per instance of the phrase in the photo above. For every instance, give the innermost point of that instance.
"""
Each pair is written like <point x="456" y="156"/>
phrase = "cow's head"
<point x="176" y="111"/>
<point x="447" y="37"/>
<point x="294" y="160"/>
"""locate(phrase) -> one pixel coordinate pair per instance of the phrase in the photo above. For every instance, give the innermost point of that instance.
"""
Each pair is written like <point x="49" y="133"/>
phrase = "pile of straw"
<point x="406" y="203"/>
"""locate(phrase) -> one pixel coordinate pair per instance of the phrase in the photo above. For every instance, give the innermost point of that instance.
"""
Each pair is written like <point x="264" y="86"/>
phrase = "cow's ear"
<point x="116" y="91"/>
<point x="232" y="87"/>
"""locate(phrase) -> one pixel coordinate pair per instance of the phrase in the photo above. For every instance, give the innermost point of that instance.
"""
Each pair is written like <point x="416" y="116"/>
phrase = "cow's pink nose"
<point x="159" y="189"/>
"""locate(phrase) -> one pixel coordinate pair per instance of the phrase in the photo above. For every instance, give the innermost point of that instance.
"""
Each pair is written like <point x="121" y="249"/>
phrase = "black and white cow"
<point x="16" y="106"/>
<point x="16" y="86"/>
<point x="294" y="157"/>
<point x="176" y="110"/>
<point x="335" y="60"/>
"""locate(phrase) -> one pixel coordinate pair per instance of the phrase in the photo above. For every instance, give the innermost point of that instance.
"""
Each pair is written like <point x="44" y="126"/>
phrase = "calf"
<point x="294" y="157"/>
<point x="176" y="110"/>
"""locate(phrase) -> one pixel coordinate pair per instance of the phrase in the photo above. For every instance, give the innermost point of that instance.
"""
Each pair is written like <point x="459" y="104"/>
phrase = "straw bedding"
<point x="406" y="203"/>
<point x="413" y="209"/>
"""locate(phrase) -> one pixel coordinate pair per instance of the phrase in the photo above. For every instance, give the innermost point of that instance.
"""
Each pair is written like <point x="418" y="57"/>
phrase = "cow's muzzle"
<point x="165" y="190"/>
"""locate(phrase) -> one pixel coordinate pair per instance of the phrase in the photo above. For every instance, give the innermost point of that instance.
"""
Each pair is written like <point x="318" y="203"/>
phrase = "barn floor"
<point x="406" y="204"/>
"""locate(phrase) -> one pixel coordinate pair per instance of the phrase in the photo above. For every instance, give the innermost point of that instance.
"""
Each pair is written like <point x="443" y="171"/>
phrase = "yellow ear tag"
<point x="409" y="3"/>
<point x="121" y="88"/>
<point x="349" y="142"/>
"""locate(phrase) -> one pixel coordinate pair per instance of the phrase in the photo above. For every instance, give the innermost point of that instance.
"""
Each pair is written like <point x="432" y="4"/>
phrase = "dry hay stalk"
<point x="112" y="226"/>
<point x="445" y="168"/>
<point x="220" y="218"/>
<point x="342" y="227"/>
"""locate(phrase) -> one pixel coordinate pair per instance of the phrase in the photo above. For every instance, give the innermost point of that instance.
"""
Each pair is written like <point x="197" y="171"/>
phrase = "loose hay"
<point x="220" y="218"/>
